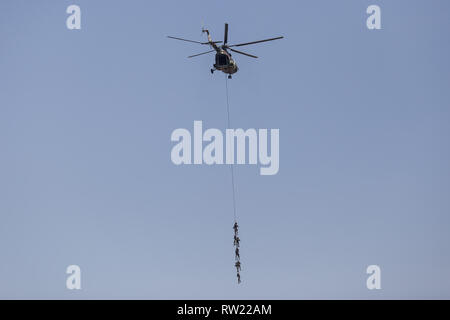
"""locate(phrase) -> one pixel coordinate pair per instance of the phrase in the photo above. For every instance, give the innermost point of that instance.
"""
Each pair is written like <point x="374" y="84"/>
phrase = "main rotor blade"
<point x="253" y="42"/>
<point x="245" y="54"/>
<point x="192" y="40"/>
<point x="199" y="54"/>
<point x="184" y="40"/>
<point x="225" y="37"/>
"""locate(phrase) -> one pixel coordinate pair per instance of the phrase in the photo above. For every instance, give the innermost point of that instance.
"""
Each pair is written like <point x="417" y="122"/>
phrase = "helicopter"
<point x="224" y="62"/>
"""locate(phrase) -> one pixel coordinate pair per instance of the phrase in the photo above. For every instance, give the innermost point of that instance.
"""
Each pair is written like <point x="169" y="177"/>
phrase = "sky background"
<point x="85" y="171"/>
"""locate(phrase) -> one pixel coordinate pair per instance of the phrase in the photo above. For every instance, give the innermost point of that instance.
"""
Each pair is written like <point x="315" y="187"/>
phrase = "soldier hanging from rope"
<point x="236" y="228"/>
<point x="236" y="241"/>
<point x="238" y="266"/>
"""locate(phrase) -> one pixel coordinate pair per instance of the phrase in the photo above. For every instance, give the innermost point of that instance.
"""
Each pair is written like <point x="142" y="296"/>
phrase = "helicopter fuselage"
<point x="225" y="63"/>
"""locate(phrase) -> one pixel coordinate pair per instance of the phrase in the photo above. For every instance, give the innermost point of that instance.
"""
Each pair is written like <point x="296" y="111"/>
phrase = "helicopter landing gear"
<point x="229" y="76"/>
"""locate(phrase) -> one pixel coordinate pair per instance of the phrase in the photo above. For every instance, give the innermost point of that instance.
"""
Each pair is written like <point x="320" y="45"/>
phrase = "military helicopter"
<point x="224" y="61"/>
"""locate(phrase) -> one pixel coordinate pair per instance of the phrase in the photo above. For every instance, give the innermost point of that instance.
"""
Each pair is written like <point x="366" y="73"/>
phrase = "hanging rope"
<point x="231" y="166"/>
<point x="235" y="226"/>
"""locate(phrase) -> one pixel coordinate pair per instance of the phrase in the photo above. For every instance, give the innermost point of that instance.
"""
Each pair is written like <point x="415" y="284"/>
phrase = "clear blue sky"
<point x="86" y="176"/>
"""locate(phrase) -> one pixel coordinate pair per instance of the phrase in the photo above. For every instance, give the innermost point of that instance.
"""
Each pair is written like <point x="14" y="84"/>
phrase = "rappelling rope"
<point x="231" y="166"/>
<point x="235" y="226"/>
